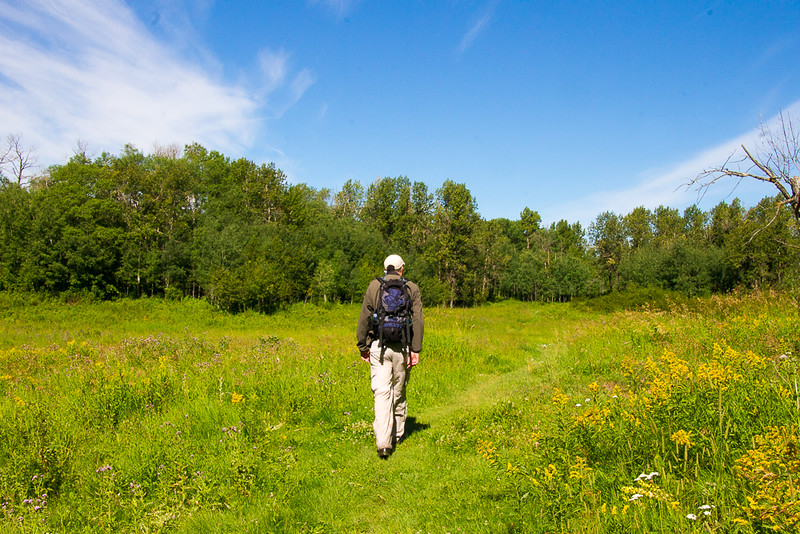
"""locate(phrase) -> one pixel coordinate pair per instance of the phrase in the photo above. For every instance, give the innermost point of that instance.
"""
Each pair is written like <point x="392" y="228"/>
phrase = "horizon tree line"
<point x="197" y="223"/>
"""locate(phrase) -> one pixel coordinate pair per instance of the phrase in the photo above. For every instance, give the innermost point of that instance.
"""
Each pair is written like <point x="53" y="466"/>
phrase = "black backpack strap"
<point x="382" y="281"/>
<point x="406" y="316"/>
<point x="381" y="312"/>
<point x="407" y="293"/>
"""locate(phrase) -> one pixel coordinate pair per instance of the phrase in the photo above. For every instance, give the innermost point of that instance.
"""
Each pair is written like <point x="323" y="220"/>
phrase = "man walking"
<point x="389" y="334"/>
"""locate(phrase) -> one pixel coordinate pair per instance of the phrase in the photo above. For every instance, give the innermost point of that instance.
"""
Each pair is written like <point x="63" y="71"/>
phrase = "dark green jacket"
<point x="365" y="334"/>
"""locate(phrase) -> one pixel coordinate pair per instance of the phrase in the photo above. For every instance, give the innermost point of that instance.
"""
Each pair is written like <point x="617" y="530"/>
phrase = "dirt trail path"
<point x="435" y="481"/>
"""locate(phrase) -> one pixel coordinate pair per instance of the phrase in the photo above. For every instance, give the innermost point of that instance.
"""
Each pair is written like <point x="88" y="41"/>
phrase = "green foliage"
<point x="639" y="226"/>
<point x="634" y="298"/>
<point x="680" y="266"/>
<point x="454" y="251"/>
<point x="608" y="235"/>
<point x="762" y="249"/>
<point x="238" y="234"/>
<point x="529" y="221"/>
<point x="690" y="429"/>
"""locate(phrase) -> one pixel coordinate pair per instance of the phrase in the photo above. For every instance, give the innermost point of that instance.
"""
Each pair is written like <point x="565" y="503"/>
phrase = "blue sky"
<point x="568" y="108"/>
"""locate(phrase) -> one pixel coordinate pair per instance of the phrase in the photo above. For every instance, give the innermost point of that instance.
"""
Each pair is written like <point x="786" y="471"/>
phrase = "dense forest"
<point x="197" y="223"/>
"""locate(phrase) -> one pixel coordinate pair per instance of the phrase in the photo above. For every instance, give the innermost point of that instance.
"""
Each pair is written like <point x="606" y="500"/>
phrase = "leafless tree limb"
<point x="20" y="159"/>
<point x="81" y="150"/>
<point x="775" y="160"/>
<point x="774" y="218"/>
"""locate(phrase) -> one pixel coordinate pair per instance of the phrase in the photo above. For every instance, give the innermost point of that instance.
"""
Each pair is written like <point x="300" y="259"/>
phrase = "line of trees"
<point x="239" y="234"/>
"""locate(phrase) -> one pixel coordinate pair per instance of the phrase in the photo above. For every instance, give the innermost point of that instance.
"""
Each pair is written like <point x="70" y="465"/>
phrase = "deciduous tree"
<point x="456" y="220"/>
<point x="638" y="226"/>
<point x="608" y="236"/>
<point x="530" y="221"/>
<point x="19" y="159"/>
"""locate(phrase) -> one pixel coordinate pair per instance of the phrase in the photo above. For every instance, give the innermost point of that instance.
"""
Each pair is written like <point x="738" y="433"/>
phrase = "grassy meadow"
<point x="164" y="416"/>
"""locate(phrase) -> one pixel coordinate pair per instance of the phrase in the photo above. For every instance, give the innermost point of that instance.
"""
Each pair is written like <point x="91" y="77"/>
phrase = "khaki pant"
<point x="389" y="376"/>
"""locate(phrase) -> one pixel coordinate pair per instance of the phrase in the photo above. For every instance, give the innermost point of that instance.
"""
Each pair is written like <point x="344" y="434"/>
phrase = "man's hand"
<point x="365" y="355"/>
<point x="412" y="359"/>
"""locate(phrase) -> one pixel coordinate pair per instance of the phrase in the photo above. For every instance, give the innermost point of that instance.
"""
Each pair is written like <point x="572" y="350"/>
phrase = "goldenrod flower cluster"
<point x="488" y="451"/>
<point x="559" y="399"/>
<point x="771" y="469"/>
<point x="595" y="417"/>
<point x="580" y="469"/>
<point x="682" y="437"/>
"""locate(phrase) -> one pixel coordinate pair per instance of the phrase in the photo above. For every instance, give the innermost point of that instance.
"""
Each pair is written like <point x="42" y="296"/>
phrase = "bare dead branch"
<point x="775" y="160"/>
<point x="81" y="149"/>
<point x="20" y="159"/>
<point x="784" y="243"/>
<point x="774" y="218"/>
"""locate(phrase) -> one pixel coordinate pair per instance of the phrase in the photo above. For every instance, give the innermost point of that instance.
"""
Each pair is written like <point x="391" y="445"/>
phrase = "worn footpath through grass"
<point x="158" y="416"/>
<point x="681" y="417"/>
<point x="475" y="365"/>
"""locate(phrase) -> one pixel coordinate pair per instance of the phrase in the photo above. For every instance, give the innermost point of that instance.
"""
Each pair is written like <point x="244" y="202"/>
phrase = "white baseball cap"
<point x="393" y="260"/>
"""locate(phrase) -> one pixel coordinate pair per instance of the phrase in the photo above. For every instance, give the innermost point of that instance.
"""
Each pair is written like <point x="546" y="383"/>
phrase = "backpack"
<point x="393" y="317"/>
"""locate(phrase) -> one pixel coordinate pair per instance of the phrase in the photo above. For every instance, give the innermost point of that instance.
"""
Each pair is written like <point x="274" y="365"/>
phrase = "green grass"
<point x="160" y="416"/>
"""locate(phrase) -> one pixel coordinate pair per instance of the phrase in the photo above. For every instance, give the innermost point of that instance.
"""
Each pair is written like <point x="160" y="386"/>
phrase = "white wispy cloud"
<point x="340" y="7"/>
<point x="274" y="66"/>
<point x="281" y="86"/>
<point x="72" y="69"/>
<point x="669" y="187"/>
<point x="476" y="29"/>
<point x="301" y="83"/>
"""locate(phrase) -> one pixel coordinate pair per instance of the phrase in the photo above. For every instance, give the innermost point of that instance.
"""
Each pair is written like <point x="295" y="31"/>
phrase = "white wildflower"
<point x="644" y="476"/>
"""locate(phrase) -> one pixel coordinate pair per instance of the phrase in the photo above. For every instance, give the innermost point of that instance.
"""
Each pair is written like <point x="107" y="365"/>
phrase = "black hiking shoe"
<point x="383" y="454"/>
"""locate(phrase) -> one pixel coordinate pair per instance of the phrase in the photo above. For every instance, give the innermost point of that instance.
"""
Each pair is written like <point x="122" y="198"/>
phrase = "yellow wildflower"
<point x="771" y="468"/>
<point x="550" y="472"/>
<point x="580" y="469"/>
<point x="488" y="451"/>
<point x="717" y="374"/>
<point x="559" y="399"/>
<point x="678" y="368"/>
<point x="755" y="361"/>
<point x="236" y="398"/>
<point x="682" y="437"/>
